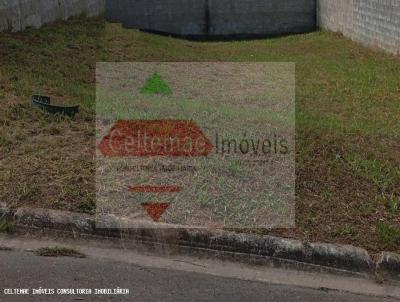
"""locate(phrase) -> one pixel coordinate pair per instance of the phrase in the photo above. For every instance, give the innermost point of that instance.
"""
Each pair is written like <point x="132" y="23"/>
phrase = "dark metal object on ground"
<point x="43" y="102"/>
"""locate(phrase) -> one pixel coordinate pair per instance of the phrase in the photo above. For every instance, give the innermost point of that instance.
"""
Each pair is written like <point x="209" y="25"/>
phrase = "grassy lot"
<point x="347" y="114"/>
<point x="229" y="102"/>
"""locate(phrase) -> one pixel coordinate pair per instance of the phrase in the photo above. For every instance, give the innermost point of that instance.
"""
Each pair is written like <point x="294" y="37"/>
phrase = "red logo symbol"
<point x="155" y="189"/>
<point x="155" y="210"/>
<point x="155" y="138"/>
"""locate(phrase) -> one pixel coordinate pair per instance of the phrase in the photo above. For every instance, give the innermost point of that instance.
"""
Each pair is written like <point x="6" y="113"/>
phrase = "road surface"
<point x="147" y="279"/>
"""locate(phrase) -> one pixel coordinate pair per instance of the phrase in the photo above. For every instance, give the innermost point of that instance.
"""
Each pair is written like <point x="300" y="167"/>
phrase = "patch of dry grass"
<point x="48" y="160"/>
<point x="348" y="105"/>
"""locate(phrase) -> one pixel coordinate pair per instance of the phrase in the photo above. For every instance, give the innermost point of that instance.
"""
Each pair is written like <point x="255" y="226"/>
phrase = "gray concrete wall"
<point x="181" y="17"/>
<point x="215" y="17"/>
<point x="374" y="23"/>
<point x="271" y="17"/>
<point x="16" y="15"/>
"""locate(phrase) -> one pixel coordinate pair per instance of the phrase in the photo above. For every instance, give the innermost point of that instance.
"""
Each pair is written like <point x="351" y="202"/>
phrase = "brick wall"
<point x="374" y="23"/>
<point x="16" y="15"/>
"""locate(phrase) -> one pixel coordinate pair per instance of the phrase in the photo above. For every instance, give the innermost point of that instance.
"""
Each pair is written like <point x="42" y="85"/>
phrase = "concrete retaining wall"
<point x="373" y="23"/>
<point x="215" y="17"/>
<point x="181" y="17"/>
<point x="270" y="17"/>
<point x="16" y="15"/>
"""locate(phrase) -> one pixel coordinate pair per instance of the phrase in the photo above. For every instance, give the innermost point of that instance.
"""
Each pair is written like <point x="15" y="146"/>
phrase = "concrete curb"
<point x="388" y="265"/>
<point x="199" y="241"/>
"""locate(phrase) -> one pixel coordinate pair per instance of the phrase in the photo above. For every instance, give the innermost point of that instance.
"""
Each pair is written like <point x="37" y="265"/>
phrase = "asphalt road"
<point x="22" y="269"/>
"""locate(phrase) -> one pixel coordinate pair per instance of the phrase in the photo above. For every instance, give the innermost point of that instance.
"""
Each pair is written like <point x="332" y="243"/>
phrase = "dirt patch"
<point x="58" y="252"/>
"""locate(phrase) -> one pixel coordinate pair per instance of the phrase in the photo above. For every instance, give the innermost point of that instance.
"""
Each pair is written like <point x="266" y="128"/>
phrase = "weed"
<point x="203" y="198"/>
<point x="25" y="191"/>
<point x="393" y="203"/>
<point x="379" y="278"/>
<point x="71" y="191"/>
<point x="381" y="174"/>
<point x="15" y="45"/>
<point x="17" y="111"/>
<point x="7" y="227"/>
<point x="327" y="194"/>
<point x="234" y="167"/>
<point x="87" y="206"/>
<point x="388" y="235"/>
<point x="346" y="231"/>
